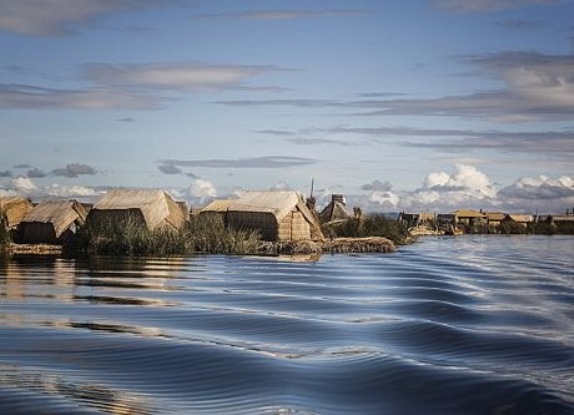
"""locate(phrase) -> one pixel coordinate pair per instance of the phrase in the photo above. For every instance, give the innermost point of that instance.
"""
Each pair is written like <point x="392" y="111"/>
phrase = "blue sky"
<point x="418" y="105"/>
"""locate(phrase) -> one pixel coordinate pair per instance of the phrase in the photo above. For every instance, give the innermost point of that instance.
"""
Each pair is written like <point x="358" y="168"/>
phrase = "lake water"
<point x="463" y="325"/>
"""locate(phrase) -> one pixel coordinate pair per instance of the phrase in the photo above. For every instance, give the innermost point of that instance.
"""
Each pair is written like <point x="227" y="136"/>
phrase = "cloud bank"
<point x="59" y="17"/>
<point x="484" y="6"/>
<point x="467" y="187"/>
<point x="266" y="162"/>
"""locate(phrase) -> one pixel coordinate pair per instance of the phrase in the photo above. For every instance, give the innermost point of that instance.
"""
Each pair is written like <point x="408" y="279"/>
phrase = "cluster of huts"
<point x="56" y="221"/>
<point x="461" y="219"/>
<point x="277" y="215"/>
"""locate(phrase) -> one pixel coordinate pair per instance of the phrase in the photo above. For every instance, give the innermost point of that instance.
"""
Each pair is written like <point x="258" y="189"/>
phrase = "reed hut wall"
<point x="294" y="227"/>
<point x="14" y="209"/>
<point x="263" y="222"/>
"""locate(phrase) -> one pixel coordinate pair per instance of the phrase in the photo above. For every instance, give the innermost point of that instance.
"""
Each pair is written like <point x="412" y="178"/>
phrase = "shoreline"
<point x="304" y="247"/>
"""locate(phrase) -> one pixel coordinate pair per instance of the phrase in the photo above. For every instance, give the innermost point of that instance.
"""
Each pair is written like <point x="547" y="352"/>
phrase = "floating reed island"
<point x="150" y="222"/>
<point x="333" y="246"/>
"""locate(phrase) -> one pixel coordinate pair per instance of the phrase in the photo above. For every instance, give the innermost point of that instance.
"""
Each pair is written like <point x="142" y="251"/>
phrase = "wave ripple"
<point x="466" y="325"/>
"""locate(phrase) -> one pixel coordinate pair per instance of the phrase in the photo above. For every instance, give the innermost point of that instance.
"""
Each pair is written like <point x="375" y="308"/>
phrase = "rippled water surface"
<point x="465" y="325"/>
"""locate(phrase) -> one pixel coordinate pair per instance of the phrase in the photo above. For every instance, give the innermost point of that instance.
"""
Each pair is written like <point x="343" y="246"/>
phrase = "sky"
<point x="419" y="105"/>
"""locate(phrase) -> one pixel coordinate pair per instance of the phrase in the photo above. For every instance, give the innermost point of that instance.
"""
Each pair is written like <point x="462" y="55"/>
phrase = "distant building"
<point x="416" y="220"/>
<point x="518" y="218"/>
<point x="335" y="210"/>
<point x="469" y="217"/>
<point x="561" y="218"/>
<point x="52" y="222"/>
<point x="494" y="218"/>
<point x="277" y="215"/>
<point x="150" y="207"/>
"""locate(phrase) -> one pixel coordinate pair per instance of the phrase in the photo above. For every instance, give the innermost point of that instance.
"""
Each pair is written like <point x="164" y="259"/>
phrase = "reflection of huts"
<point x="52" y="222"/>
<point x="14" y="209"/>
<point x="153" y="208"/>
<point x="277" y="215"/>
<point x="335" y="210"/>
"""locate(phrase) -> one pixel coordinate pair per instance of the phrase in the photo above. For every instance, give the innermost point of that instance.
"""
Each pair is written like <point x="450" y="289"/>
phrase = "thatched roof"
<point x="562" y="218"/>
<point x="468" y="213"/>
<point x="15" y="209"/>
<point x="520" y="218"/>
<point x="156" y="206"/>
<point x="218" y="206"/>
<point x="61" y="214"/>
<point x="335" y="210"/>
<point x="278" y="203"/>
<point x="495" y="216"/>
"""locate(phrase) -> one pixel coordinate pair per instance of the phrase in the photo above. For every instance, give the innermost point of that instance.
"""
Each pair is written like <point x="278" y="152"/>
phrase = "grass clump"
<point x="208" y="234"/>
<point x="130" y="236"/>
<point x="5" y="237"/>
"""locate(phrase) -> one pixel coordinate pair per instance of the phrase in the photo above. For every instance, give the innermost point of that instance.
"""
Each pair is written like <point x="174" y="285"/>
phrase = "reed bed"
<point x="371" y="225"/>
<point x="5" y="237"/>
<point x="129" y="236"/>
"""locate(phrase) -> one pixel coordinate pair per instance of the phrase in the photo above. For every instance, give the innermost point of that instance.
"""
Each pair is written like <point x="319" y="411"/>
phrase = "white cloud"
<point x="23" y="184"/>
<point x="8" y="193"/>
<point x="466" y="187"/>
<point x="465" y="179"/>
<point x="175" y="76"/>
<point x="384" y="199"/>
<point x="541" y="187"/>
<point x="25" y="187"/>
<point x="58" y="191"/>
<point x="542" y="194"/>
<point x="281" y="186"/>
<point x="436" y="179"/>
<point x="200" y="192"/>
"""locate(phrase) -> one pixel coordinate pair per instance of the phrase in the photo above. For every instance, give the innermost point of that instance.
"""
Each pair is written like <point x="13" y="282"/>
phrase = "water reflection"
<point x="83" y="394"/>
<point x="449" y="327"/>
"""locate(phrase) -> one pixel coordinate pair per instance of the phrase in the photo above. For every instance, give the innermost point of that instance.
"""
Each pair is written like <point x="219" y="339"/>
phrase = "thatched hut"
<point x="469" y="217"/>
<point x="336" y="210"/>
<point x="151" y="207"/>
<point x="417" y="220"/>
<point x="518" y="218"/>
<point x="494" y="218"/>
<point x="52" y="222"/>
<point x="14" y="209"/>
<point x="277" y="215"/>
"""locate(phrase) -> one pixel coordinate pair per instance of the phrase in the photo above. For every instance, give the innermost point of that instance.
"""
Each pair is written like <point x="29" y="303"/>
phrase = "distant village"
<point x="276" y="215"/>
